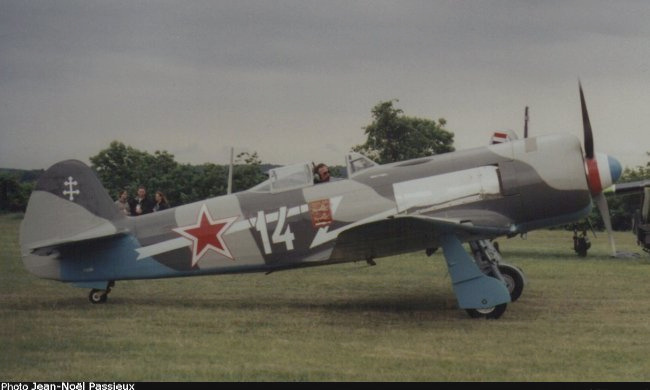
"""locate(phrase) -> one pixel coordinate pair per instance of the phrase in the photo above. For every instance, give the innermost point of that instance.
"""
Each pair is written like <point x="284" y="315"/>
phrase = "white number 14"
<point x="278" y="236"/>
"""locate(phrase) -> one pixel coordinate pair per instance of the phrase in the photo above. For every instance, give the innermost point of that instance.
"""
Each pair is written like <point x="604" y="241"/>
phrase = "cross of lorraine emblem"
<point x="71" y="191"/>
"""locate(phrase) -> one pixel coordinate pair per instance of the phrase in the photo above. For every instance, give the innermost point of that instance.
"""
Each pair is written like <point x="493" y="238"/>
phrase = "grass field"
<point x="577" y="320"/>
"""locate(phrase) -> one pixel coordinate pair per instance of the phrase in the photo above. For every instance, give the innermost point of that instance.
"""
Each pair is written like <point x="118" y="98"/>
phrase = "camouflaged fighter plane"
<point x="73" y="232"/>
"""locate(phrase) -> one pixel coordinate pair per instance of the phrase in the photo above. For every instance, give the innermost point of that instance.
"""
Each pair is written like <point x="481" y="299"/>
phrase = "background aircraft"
<point x="73" y="232"/>
<point x="641" y="219"/>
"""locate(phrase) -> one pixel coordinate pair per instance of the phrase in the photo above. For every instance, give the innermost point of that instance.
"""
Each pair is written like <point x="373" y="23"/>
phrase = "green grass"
<point x="577" y="320"/>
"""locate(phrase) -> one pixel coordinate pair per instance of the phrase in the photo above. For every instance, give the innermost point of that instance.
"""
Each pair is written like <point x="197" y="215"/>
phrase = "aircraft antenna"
<point x="526" y="122"/>
<point x="232" y="152"/>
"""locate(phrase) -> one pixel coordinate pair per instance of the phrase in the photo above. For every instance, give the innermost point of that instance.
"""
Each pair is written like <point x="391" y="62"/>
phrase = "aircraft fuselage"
<point x="512" y="187"/>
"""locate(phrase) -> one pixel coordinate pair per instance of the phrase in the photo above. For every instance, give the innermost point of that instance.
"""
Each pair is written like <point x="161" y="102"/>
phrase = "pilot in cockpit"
<point x="321" y="173"/>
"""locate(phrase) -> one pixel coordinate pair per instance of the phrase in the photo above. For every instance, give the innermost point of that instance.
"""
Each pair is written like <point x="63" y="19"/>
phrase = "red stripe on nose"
<point x="593" y="177"/>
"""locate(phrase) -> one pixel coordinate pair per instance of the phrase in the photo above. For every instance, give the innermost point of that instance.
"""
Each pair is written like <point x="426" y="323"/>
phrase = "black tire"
<point x="582" y="246"/>
<point x="492" y="313"/>
<point x="514" y="281"/>
<point x="97" y="296"/>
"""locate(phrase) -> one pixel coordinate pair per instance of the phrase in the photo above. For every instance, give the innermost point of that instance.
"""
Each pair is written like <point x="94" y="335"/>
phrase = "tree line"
<point x="122" y="167"/>
<point x="15" y="188"/>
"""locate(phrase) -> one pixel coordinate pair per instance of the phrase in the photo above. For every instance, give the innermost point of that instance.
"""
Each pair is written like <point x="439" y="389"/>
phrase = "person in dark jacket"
<point x="141" y="204"/>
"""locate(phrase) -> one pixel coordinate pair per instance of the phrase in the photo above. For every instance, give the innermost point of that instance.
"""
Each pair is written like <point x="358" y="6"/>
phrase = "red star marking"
<point x="207" y="234"/>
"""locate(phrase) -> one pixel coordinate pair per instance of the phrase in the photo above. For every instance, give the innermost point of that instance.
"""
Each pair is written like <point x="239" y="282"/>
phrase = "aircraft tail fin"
<point x="68" y="204"/>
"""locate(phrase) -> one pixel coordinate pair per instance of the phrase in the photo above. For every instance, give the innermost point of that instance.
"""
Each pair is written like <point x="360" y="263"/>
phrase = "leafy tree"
<point x="123" y="167"/>
<point x="119" y="167"/>
<point x="14" y="194"/>
<point x="197" y="182"/>
<point x="247" y="171"/>
<point x="392" y="136"/>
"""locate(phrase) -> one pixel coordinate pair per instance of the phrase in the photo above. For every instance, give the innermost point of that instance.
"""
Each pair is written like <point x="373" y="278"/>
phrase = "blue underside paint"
<point x="474" y="289"/>
<point x="113" y="258"/>
<point x="92" y="264"/>
<point x="101" y="285"/>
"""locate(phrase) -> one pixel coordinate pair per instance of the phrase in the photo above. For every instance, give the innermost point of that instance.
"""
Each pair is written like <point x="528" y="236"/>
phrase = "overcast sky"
<point x="296" y="80"/>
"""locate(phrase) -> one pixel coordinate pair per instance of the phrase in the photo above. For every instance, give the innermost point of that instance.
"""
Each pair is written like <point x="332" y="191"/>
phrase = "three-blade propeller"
<point x="602" y="171"/>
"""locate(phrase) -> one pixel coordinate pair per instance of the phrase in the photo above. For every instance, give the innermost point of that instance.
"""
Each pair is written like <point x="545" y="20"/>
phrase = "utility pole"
<point x="526" y="123"/>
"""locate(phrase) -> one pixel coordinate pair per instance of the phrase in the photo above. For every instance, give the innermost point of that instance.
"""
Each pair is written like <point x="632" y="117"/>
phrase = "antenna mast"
<point x="526" y="123"/>
<point x="232" y="152"/>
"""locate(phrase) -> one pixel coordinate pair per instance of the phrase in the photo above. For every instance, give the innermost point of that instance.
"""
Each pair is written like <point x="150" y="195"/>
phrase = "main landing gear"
<point x="479" y="293"/>
<point x="482" y="283"/>
<point x="581" y="243"/>
<point x="490" y="262"/>
<point x="100" y="296"/>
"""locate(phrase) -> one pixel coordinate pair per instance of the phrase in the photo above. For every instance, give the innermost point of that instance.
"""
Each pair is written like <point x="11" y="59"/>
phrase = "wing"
<point x="407" y="233"/>
<point x="631" y="187"/>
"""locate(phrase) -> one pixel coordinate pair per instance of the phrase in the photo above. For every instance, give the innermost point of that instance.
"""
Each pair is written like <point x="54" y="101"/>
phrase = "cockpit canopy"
<point x="357" y="162"/>
<point x="286" y="178"/>
<point x="291" y="177"/>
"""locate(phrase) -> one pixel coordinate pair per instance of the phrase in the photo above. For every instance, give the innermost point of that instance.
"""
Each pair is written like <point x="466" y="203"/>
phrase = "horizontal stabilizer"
<point x="94" y="228"/>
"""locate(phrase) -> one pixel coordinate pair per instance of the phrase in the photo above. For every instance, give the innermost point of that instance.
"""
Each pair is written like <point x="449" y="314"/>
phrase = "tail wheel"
<point x="98" y="296"/>
<point x="491" y="313"/>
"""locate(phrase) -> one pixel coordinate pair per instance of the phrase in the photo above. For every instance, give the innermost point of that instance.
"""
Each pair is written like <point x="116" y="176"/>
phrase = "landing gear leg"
<point x="490" y="262"/>
<point x="479" y="294"/>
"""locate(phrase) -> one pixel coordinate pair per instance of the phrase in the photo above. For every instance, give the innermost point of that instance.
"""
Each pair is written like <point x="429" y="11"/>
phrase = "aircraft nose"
<point x="602" y="171"/>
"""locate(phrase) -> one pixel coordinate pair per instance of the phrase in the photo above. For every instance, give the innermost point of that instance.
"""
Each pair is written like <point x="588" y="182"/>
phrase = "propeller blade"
<point x="588" y="135"/>
<point x="601" y="203"/>
<point x="602" y="172"/>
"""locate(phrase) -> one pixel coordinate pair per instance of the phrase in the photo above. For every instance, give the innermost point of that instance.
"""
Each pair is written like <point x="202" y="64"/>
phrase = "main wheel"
<point x="491" y="313"/>
<point x="514" y="280"/>
<point x="98" y="296"/>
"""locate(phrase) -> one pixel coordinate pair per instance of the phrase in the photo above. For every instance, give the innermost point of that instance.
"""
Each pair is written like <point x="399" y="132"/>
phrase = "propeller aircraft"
<point x="72" y="231"/>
